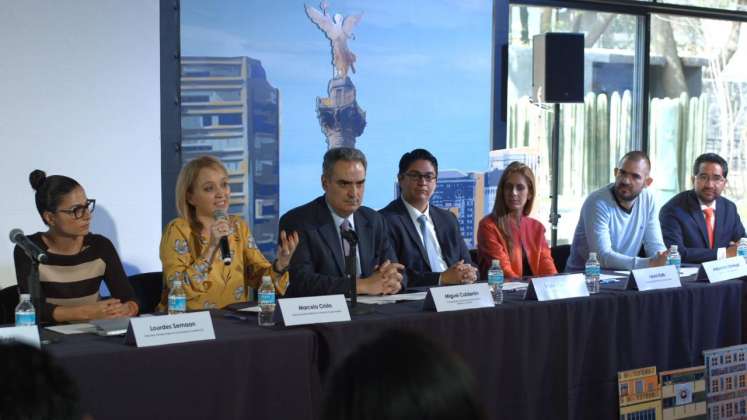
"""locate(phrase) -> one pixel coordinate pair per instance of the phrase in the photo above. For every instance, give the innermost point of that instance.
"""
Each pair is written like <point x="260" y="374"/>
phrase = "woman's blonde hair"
<point x="500" y="210"/>
<point x="184" y="186"/>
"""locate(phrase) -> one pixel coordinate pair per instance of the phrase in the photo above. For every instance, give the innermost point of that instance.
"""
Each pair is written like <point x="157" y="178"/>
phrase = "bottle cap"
<point x="266" y="279"/>
<point x="496" y="263"/>
<point x="25" y="296"/>
<point x="592" y="255"/>
<point x="673" y="248"/>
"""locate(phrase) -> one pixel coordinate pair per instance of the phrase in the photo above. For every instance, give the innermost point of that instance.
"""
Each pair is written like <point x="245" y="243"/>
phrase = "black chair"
<point x="560" y="254"/>
<point x="8" y="301"/>
<point x="473" y="255"/>
<point x="148" y="288"/>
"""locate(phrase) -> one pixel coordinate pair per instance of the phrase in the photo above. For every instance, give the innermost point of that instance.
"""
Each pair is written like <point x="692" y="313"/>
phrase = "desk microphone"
<point x="225" y="250"/>
<point x="31" y="249"/>
<point x="350" y="236"/>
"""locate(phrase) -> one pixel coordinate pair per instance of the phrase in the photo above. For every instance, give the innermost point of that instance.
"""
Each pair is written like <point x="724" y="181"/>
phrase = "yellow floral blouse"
<point x="212" y="284"/>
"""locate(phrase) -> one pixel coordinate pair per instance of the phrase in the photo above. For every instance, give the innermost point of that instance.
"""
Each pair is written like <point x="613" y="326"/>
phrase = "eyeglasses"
<point x="417" y="176"/>
<point x="80" y="210"/>
<point x="716" y="179"/>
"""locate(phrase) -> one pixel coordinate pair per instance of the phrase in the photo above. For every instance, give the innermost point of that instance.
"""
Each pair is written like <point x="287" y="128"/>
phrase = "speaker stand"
<point x="555" y="168"/>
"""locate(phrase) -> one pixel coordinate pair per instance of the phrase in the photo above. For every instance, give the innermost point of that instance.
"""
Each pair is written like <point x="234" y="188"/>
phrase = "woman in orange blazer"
<point x="508" y="235"/>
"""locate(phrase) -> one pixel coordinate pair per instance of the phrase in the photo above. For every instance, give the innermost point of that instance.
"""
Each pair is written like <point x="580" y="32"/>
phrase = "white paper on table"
<point x="515" y="285"/>
<point x="384" y="299"/>
<point x="611" y="277"/>
<point x="625" y="273"/>
<point x="68" y="329"/>
<point x="254" y="309"/>
<point x="684" y="271"/>
<point x="688" y="271"/>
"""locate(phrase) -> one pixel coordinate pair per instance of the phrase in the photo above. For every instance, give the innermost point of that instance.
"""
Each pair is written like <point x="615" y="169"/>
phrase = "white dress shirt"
<point x="720" y="252"/>
<point x="338" y="221"/>
<point x="431" y="229"/>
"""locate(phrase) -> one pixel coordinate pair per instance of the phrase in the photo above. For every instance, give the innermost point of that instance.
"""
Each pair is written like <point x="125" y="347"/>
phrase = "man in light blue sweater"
<point x="616" y="219"/>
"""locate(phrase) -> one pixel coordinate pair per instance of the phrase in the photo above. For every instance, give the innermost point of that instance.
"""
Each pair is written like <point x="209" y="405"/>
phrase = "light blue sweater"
<point x="616" y="236"/>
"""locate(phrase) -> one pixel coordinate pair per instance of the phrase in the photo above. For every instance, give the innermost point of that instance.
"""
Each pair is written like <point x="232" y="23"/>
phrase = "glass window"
<point x="195" y="98"/>
<point x="229" y="119"/>
<point x="191" y="121"/>
<point x="715" y="4"/>
<point x="699" y="101"/>
<point x="594" y="134"/>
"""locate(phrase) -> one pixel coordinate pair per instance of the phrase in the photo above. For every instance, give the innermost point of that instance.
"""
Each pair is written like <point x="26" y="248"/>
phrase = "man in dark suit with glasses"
<point x="704" y="225"/>
<point x="426" y="239"/>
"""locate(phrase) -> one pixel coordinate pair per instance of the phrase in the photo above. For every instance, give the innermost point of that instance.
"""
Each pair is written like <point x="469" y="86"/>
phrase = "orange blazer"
<point x="492" y="246"/>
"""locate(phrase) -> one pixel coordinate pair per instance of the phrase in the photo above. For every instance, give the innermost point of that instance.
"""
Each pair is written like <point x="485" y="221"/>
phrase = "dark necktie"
<point x="344" y="227"/>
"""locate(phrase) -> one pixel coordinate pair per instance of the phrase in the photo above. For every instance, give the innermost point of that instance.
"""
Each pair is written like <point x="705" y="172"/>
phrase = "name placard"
<point x="26" y="335"/>
<point x="654" y="278"/>
<point x="557" y="287"/>
<point x="726" y="269"/>
<point x="456" y="298"/>
<point x="170" y="329"/>
<point x="314" y="310"/>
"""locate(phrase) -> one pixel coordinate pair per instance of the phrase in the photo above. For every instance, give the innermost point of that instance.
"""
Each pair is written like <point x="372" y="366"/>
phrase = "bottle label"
<point x="178" y="303"/>
<point x="266" y="298"/>
<point x="593" y="270"/>
<point x="25" y="318"/>
<point x="495" y="279"/>
<point x="675" y="261"/>
<point x="742" y="251"/>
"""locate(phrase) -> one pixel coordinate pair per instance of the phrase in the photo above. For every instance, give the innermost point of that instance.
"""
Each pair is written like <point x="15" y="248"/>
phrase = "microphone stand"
<point x="350" y="273"/>
<point x="35" y="285"/>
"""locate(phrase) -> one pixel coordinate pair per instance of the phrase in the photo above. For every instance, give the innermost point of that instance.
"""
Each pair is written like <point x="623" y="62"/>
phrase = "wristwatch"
<point x="275" y="269"/>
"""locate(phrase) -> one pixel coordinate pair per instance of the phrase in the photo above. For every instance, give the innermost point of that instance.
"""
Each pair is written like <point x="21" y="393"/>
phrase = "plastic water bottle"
<point x="592" y="272"/>
<point x="674" y="257"/>
<point x="495" y="281"/>
<point x="25" y="313"/>
<point x="266" y="302"/>
<point x="177" y="298"/>
<point x="742" y="248"/>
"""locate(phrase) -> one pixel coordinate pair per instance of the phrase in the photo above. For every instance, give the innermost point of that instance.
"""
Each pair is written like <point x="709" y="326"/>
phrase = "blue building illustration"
<point x="230" y="111"/>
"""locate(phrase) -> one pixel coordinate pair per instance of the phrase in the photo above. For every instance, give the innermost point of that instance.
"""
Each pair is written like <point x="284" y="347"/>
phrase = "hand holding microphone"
<point x="220" y="229"/>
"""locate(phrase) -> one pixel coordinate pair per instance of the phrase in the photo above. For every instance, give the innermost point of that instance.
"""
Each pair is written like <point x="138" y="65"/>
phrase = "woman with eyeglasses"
<point x="190" y="245"/>
<point x="508" y="234"/>
<point x="78" y="260"/>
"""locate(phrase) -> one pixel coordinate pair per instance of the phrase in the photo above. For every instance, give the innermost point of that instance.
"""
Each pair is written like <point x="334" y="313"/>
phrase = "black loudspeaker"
<point x="558" y="67"/>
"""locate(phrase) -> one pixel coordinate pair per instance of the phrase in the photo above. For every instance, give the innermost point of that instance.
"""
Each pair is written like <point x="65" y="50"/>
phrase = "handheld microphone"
<point x="225" y="250"/>
<point x="31" y="249"/>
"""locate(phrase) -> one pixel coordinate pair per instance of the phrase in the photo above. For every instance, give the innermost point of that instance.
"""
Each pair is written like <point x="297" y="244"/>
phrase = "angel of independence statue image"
<point x="340" y="117"/>
<point x="338" y="29"/>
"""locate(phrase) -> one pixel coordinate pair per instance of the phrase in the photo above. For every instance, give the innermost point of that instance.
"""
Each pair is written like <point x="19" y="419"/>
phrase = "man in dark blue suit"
<point x="703" y="225"/>
<point x="426" y="239"/>
<point x="318" y="265"/>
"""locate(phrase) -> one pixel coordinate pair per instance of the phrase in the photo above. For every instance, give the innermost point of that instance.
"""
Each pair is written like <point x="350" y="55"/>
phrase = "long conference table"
<point x="531" y="360"/>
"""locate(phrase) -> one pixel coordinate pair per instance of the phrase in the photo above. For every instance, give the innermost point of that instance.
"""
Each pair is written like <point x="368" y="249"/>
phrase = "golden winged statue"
<point x="338" y="30"/>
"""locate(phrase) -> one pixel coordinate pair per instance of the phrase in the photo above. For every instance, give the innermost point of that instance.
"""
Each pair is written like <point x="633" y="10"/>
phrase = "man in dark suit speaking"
<point x="426" y="239"/>
<point x="318" y="265"/>
<point x="703" y="225"/>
